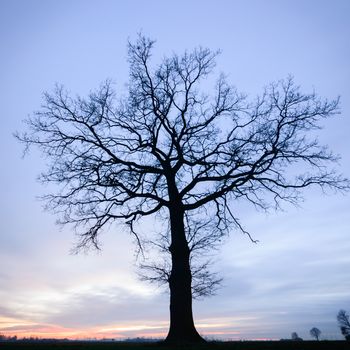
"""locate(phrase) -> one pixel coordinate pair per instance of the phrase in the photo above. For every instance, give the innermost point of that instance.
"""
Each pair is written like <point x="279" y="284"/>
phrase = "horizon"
<point x="297" y="276"/>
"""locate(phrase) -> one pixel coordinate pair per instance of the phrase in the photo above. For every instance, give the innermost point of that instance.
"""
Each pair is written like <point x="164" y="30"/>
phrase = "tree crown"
<point x="167" y="144"/>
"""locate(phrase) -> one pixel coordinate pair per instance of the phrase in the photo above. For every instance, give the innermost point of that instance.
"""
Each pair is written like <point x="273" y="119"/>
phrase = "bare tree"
<point x="315" y="333"/>
<point x="344" y="323"/>
<point x="168" y="150"/>
<point x="295" y="337"/>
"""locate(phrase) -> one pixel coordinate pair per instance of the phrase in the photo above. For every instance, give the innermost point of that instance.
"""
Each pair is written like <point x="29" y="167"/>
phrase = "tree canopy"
<point x="344" y="323"/>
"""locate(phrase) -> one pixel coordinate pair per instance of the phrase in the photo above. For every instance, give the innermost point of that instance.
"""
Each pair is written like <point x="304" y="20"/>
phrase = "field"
<point x="243" y="345"/>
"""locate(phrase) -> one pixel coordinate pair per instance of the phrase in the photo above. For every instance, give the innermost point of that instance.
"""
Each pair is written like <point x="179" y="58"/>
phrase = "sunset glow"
<point x="22" y="329"/>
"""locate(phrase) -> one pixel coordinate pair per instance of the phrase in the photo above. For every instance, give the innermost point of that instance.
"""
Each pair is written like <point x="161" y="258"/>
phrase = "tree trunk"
<point x="182" y="329"/>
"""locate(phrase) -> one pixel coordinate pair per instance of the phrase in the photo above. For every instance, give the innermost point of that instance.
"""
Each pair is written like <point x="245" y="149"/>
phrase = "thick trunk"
<point x="182" y="329"/>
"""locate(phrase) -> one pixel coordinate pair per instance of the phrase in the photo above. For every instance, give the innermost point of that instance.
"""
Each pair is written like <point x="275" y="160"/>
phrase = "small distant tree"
<point x="344" y="323"/>
<point x="296" y="337"/>
<point x="315" y="333"/>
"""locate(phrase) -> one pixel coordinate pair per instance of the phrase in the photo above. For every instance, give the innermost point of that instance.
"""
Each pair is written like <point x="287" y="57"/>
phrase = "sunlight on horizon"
<point x="22" y="328"/>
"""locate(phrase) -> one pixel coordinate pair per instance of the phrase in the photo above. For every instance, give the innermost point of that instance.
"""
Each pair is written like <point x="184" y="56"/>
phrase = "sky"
<point x="297" y="276"/>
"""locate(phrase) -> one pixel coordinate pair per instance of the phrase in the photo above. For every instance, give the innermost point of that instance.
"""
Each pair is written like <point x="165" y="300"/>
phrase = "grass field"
<point x="244" y="345"/>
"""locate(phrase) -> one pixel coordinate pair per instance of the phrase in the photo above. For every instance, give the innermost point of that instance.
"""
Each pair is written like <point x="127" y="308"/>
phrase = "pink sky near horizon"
<point x="22" y="329"/>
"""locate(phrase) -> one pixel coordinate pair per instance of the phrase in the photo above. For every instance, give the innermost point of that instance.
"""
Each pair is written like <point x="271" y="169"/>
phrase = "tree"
<point x="295" y="337"/>
<point x="169" y="151"/>
<point x="344" y="323"/>
<point x="315" y="333"/>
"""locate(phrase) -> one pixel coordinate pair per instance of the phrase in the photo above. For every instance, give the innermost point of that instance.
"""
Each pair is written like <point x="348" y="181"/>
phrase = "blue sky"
<point x="296" y="278"/>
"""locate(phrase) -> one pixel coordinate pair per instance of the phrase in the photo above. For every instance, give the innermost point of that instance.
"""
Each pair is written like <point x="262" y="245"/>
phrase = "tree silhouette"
<point x="344" y="323"/>
<point x="170" y="149"/>
<point x="295" y="337"/>
<point x="315" y="333"/>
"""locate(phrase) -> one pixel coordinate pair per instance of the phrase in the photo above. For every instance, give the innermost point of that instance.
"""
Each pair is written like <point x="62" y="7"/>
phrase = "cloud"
<point x="7" y="312"/>
<point x="110" y="305"/>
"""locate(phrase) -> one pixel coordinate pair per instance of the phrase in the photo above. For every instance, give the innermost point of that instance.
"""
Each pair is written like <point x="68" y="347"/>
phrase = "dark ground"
<point x="244" y="345"/>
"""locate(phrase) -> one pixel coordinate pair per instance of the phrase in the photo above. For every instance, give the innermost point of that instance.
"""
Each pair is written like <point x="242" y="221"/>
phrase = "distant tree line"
<point x="7" y="338"/>
<point x="14" y="338"/>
